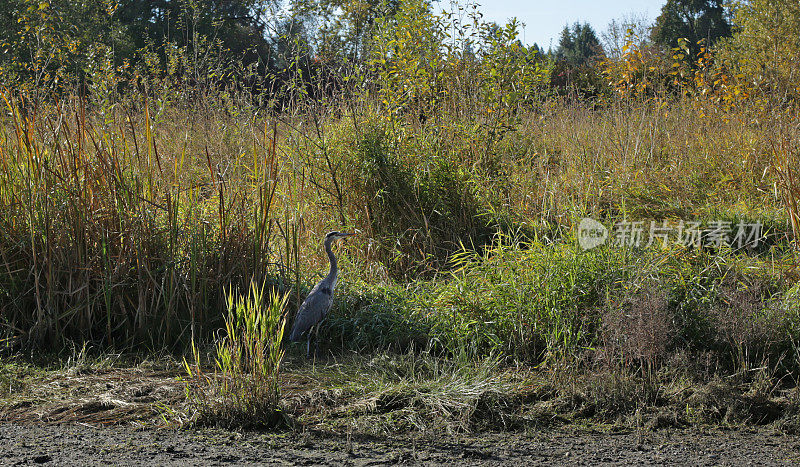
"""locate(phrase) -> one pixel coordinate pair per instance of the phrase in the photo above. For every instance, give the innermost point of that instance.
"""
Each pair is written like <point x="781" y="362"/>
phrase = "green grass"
<point x="244" y="388"/>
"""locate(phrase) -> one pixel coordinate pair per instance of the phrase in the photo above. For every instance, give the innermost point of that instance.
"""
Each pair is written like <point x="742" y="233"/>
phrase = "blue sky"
<point x="544" y="19"/>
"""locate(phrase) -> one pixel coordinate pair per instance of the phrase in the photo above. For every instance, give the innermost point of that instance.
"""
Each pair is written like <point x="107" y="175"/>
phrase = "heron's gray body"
<point x="318" y="303"/>
<point x="314" y="309"/>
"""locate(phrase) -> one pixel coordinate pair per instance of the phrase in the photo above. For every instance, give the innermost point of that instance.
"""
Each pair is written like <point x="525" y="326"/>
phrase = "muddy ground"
<point x="74" y="444"/>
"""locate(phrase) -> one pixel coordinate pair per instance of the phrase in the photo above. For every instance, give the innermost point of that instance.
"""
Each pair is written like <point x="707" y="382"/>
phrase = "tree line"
<point x="46" y="41"/>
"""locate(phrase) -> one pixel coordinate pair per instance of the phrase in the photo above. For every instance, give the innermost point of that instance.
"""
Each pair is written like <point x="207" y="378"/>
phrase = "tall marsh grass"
<point x="122" y="228"/>
<point x="787" y="161"/>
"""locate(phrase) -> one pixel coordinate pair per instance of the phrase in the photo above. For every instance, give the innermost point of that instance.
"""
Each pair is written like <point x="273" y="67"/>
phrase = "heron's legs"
<point x="312" y="335"/>
<point x="316" y="339"/>
<point x="308" y="342"/>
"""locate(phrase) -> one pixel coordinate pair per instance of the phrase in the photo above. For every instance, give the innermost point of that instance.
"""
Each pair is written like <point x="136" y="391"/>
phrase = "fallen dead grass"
<point x="98" y="397"/>
<point x="384" y="394"/>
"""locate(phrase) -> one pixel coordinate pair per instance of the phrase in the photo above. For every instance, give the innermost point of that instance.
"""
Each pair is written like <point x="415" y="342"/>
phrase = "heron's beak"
<point x="346" y="234"/>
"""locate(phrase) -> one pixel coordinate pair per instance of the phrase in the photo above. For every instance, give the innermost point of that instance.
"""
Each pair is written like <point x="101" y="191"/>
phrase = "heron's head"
<point x="331" y="236"/>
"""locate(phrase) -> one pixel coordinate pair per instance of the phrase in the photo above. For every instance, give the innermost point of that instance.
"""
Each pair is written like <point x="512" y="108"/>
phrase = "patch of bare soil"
<point x="119" y="445"/>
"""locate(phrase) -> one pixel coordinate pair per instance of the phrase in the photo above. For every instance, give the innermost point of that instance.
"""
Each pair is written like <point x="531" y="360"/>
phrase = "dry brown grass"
<point x="639" y="332"/>
<point x="648" y="160"/>
<point x="100" y="392"/>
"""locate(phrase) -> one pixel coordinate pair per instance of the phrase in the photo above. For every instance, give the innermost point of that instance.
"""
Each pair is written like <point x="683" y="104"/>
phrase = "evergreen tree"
<point x="694" y="20"/>
<point x="578" y="45"/>
<point x="577" y="52"/>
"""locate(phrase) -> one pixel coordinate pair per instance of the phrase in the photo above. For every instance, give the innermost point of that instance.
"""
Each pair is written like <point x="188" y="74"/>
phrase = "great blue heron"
<point x="319" y="301"/>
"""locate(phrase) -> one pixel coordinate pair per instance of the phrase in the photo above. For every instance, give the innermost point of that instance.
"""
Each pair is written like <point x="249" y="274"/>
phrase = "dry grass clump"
<point x="115" y="233"/>
<point x="787" y="161"/>
<point x="746" y="326"/>
<point x="653" y="159"/>
<point x="411" y="391"/>
<point x="639" y="332"/>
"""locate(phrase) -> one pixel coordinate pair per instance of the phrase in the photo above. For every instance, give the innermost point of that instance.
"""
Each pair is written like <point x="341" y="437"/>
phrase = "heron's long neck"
<point x="334" y="266"/>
